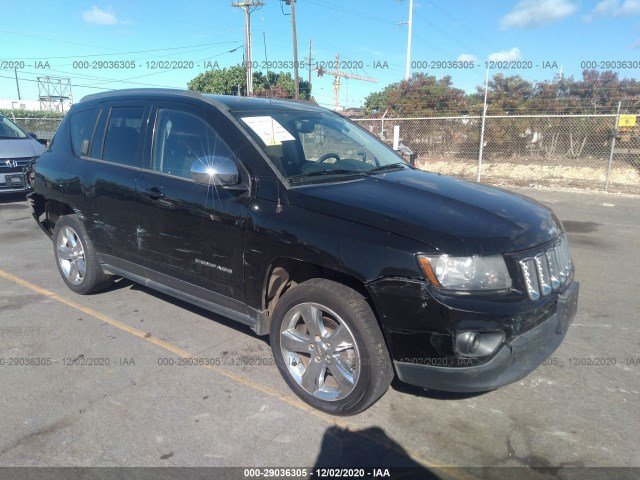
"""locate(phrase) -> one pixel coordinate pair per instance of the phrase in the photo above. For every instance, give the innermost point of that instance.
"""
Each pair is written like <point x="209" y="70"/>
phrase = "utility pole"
<point x="310" y="44"/>
<point x="408" y="69"/>
<point x="15" y="70"/>
<point x="484" y="118"/>
<point x="614" y="133"/>
<point x="295" y="48"/>
<point x="248" y="6"/>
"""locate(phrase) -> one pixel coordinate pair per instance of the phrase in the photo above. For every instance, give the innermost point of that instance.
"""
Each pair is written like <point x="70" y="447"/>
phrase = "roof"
<point x="224" y="102"/>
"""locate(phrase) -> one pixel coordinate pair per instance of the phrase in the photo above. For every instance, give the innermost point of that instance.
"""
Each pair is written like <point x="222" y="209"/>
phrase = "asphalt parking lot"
<point x="113" y="387"/>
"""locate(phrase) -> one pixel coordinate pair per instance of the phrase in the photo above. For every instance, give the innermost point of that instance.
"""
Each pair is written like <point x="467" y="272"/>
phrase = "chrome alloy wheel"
<point x="71" y="256"/>
<point x="320" y="351"/>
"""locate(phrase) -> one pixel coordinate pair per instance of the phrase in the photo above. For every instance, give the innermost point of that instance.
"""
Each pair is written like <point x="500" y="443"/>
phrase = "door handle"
<point x="154" y="193"/>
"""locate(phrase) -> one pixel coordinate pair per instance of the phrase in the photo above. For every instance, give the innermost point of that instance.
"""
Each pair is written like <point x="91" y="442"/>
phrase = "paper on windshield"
<point x="269" y="130"/>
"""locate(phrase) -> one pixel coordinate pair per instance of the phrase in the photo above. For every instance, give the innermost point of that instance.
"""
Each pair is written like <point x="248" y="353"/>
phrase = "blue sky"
<point x="369" y="36"/>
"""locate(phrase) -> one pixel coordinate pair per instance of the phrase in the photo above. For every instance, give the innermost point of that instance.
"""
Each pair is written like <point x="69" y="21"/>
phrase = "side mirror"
<point x="215" y="170"/>
<point x="33" y="135"/>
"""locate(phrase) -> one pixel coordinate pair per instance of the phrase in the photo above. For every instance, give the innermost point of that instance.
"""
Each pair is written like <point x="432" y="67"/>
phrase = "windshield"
<point x="317" y="146"/>
<point x="8" y="129"/>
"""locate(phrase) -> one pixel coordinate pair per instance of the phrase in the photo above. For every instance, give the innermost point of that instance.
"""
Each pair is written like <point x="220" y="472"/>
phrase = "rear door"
<point x="191" y="236"/>
<point x="118" y="153"/>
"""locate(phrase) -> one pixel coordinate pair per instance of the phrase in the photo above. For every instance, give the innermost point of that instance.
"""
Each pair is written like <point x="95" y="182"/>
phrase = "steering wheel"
<point x="327" y="156"/>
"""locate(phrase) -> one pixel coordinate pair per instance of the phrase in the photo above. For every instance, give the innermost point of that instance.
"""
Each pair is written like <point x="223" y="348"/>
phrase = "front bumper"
<point x="12" y="182"/>
<point x="515" y="359"/>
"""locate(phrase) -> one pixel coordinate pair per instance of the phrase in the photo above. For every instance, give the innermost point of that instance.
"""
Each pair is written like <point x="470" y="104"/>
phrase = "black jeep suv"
<point x="296" y="222"/>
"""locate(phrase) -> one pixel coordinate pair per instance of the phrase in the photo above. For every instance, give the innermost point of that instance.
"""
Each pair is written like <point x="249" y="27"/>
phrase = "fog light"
<point x="478" y="344"/>
<point x="468" y="342"/>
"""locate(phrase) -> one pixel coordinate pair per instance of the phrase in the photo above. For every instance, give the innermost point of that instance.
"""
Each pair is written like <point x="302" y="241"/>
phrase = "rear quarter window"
<point x="82" y="126"/>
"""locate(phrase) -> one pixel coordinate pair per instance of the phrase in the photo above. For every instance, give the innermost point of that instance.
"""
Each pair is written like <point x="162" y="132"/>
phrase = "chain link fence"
<point x="44" y="128"/>
<point x="552" y="150"/>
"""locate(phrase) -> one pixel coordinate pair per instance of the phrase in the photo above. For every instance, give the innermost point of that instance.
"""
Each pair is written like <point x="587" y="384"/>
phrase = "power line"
<point x="105" y="80"/>
<point x="125" y="53"/>
<point x="355" y="13"/>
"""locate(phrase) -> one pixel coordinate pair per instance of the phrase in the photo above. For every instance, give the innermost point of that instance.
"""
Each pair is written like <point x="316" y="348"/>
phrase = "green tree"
<point x="421" y="95"/>
<point x="224" y="82"/>
<point x="507" y="95"/>
<point x="376" y="102"/>
<point x="596" y="92"/>
<point x="279" y="85"/>
<point x="600" y="92"/>
<point x="231" y="80"/>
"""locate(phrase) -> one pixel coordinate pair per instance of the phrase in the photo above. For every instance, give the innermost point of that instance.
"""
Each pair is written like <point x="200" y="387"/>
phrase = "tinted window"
<point x="82" y="125"/>
<point x="316" y="146"/>
<point x="9" y="130"/>
<point x="122" y="141"/>
<point x="326" y="138"/>
<point x="183" y="138"/>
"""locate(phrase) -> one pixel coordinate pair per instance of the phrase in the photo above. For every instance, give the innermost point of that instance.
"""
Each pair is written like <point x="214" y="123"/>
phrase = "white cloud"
<point x="535" y="13"/>
<point x="466" y="57"/>
<point x="614" y="8"/>
<point x="628" y="7"/>
<point x="505" y="55"/>
<point x="97" y="16"/>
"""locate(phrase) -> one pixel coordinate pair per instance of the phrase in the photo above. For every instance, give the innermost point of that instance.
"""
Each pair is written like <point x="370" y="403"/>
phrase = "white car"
<point x="17" y="150"/>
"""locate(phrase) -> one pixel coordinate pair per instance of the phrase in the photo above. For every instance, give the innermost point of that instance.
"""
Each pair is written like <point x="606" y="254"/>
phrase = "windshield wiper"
<point x="317" y="173"/>
<point x="384" y="168"/>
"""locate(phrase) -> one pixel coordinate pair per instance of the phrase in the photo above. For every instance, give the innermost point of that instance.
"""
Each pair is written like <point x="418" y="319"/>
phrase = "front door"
<point x="190" y="235"/>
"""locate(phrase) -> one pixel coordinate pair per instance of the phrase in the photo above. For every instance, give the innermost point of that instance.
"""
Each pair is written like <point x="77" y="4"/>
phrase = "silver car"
<point x="17" y="150"/>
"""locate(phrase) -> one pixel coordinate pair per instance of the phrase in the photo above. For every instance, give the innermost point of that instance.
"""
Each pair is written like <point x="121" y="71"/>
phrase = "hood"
<point x="16" y="148"/>
<point x="450" y="215"/>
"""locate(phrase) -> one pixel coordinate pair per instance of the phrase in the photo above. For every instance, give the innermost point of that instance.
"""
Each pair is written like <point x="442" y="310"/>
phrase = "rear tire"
<point x="329" y="348"/>
<point x="76" y="258"/>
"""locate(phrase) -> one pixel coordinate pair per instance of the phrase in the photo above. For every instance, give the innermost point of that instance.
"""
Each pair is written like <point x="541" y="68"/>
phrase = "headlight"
<point x="477" y="273"/>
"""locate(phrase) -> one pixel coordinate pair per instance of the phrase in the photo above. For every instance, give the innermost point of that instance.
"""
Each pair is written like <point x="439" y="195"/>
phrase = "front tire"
<point x="328" y="347"/>
<point x="76" y="258"/>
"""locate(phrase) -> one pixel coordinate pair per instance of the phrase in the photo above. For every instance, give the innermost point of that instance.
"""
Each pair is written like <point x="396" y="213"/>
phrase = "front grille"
<point x="14" y="164"/>
<point x="548" y="271"/>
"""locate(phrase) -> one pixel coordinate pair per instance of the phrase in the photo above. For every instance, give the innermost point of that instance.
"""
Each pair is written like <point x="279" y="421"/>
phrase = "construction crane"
<point x="336" y="83"/>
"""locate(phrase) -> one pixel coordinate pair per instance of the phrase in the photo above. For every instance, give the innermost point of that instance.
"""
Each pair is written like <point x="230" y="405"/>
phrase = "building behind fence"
<point x="553" y="150"/>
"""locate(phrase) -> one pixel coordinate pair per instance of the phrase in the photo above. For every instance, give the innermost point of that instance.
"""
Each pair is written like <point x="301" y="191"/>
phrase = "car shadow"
<point x="370" y="449"/>
<point x="12" y="198"/>
<point x="122" y="283"/>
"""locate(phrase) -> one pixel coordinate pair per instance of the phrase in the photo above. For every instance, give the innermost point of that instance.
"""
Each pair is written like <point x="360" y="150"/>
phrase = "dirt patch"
<point x="625" y="178"/>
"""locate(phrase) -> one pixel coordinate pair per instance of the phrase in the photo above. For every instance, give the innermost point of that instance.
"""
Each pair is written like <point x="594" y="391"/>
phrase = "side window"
<point x="82" y="125"/>
<point x="122" y="140"/>
<point x="181" y="139"/>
